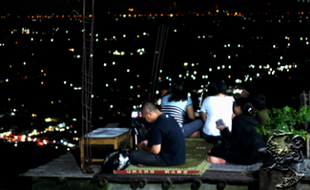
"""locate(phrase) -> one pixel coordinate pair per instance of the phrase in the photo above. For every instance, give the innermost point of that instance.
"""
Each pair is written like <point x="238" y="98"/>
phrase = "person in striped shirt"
<point x="179" y="105"/>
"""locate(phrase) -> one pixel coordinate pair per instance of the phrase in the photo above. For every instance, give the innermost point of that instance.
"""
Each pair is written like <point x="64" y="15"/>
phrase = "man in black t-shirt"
<point x="167" y="144"/>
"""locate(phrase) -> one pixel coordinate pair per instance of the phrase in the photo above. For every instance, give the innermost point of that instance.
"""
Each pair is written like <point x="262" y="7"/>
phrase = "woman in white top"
<point x="216" y="106"/>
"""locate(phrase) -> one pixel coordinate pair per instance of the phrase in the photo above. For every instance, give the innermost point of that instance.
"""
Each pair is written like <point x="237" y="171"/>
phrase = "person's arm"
<point x="190" y="112"/>
<point x="155" y="149"/>
<point x="204" y="116"/>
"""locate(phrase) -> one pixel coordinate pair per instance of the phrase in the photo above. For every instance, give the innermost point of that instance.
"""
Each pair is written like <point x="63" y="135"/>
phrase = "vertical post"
<point x="87" y="84"/>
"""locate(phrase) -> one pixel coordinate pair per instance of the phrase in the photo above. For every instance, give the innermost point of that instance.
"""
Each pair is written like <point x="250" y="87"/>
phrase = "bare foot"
<point x="216" y="160"/>
<point x="141" y="165"/>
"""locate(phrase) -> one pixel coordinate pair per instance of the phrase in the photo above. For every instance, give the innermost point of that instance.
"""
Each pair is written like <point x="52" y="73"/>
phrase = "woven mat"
<point x="196" y="163"/>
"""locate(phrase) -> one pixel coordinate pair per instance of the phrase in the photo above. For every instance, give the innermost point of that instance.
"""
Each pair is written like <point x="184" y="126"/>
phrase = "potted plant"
<point x="283" y="125"/>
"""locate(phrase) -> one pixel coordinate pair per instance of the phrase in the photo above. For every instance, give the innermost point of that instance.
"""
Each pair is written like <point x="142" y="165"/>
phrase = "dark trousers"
<point x="145" y="158"/>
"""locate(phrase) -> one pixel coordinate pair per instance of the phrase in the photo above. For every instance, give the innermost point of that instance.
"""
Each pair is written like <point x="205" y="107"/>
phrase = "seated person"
<point x="259" y="103"/>
<point x="167" y="144"/>
<point x="177" y="104"/>
<point x="214" y="107"/>
<point x="242" y="142"/>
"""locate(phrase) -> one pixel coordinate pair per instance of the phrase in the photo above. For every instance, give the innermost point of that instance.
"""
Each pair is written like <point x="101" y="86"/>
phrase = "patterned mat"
<point x="196" y="163"/>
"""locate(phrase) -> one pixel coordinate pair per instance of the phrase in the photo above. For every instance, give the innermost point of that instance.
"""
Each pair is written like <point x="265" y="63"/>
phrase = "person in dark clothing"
<point x="167" y="144"/>
<point x="243" y="142"/>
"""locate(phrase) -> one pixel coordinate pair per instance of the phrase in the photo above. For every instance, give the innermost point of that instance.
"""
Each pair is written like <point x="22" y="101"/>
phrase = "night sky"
<point x="260" y="45"/>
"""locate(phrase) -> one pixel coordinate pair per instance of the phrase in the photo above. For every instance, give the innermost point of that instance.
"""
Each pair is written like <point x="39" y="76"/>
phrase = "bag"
<point x="117" y="160"/>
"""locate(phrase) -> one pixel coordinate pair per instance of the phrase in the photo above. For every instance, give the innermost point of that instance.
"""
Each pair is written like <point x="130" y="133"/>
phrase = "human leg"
<point x="190" y="128"/>
<point x="143" y="157"/>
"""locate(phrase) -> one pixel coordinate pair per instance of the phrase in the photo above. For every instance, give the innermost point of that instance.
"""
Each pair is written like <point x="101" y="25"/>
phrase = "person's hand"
<point x="220" y="127"/>
<point x="142" y="144"/>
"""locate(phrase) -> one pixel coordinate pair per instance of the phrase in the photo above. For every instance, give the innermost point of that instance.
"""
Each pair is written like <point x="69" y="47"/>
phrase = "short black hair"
<point x="148" y="106"/>
<point x="246" y="105"/>
<point x="217" y="85"/>
<point x="259" y="101"/>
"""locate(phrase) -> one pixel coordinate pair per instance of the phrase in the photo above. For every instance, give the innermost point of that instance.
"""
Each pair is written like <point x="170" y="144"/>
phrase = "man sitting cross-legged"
<point x="167" y="144"/>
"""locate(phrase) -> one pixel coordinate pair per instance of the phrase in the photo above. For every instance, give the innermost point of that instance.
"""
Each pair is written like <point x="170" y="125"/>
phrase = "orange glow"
<point x="268" y="3"/>
<point x="68" y="16"/>
<point x="227" y="14"/>
<point x="42" y="70"/>
<point x="129" y="15"/>
<point x="52" y="102"/>
<point x="150" y="14"/>
<point x="257" y="37"/>
<point x="80" y="15"/>
<point x="9" y="99"/>
<point x="155" y="14"/>
<point x="202" y="14"/>
<point x="261" y="37"/>
<point x="140" y="115"/>
<point x="130" y="9"/>
<point x="159" y="78"/>
<point x="28" y="16"/>
<point x="218" y="24"/>
<point x="208" y="13"/>
<point x="42" y="82"/>
<point x="176" y="14"/>
<point x="302" y="13"/>
<point x="71" y="49"/>
<point x="229" y="76"/>
<point x="33" y="115"/>
<point x="299" y="13"/>
<point x="197" y="14"/>
<point x="140" y="86"/>
<point x="16" y="42"/>
<point x="57" y="16"/>
<point x="45" y="16"/>
<point x="161" y="14"/>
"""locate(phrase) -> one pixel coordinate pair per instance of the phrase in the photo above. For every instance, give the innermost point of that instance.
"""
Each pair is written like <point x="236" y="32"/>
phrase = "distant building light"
<point x="65" y="82"/>
<point x="113" y="63"/>
<point x="78" y="56"/>
<point x="157" y="92"/>
<point x="71" y="84"/>
<point x="115" y="79"/>
<point x="210" y="69"/>
<point x="128" y="70"/>
<point x="131" y="87"/>
<point x="111" y="106"/>
<point x="104" y="64"/>
<point x="73" y="119"/>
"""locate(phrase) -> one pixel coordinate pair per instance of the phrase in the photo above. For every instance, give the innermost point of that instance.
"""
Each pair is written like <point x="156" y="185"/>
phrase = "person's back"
<point x="166" y="131"/>
<point x="176" y="109"/>
<point x="245" y="141"/>
<point x="217" y="108"/>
